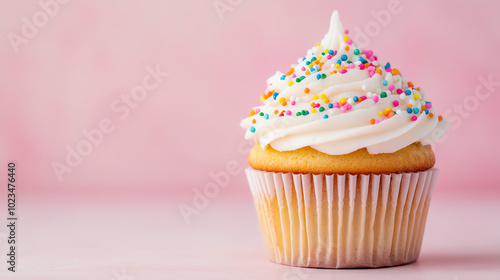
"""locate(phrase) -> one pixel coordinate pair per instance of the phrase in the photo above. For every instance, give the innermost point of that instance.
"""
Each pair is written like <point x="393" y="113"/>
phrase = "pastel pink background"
<point x="65" y="78"/>
<point x="119" y="209"/>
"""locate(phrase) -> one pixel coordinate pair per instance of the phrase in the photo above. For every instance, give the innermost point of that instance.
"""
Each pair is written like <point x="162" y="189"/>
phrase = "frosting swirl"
<point x="338" y="99"/>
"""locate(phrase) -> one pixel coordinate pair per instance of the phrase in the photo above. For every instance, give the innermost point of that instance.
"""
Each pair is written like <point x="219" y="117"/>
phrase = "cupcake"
<point x="342" y="171"/>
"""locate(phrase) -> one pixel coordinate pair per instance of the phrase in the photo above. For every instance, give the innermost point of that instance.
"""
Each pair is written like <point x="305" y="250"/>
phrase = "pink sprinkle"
<point x="414" y="118"/>
<point x="399" y="91"/>
<point x="371" y="68"/>
<point x="343" y="109"/>
<point x="294" y="76"/>
<point x="257" y="110"/>
<point x="343" y="71"/>
<point x="361" y="66"/>
<point x="349" y="42"/>
<point x="363" y="97"/>
<point x="395" y="103"/>
<point x="428" y="105"/>
<point x="375" y="98"/>
<point x="289" y="112"/>
<point x="303" y="68"/>
<point x="377" y="121"/>
<point x="317" y="105"/>
<point x="391" y="87"/>
<point x="346" y="31"/>
<point x="369" y="54"/>
<point x="328" y="56"/>
<point x="336" y="105"/>
<point x="350" y="65"/>
<point x="293" y="102"/>
<point x="388" y="70"/>
<point x="349" y="106"/>
<point x="371" y="73"/>
<point x="334" y="52"/>
<point x="375" y="58"/>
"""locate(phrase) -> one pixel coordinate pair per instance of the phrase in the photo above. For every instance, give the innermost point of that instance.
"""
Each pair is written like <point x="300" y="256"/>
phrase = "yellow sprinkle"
<point x="326" y="100"/>
<point x="346" y="38"/>
<point x="409" y="105"/>
<point x="290" y="83"/>
<point x="319" y="59"/>
<point x="313" y="110"/>
<point x="307" y="72"/>
<point x="315" y="97"/>
<point x="343" y="101"/>
<point x="337" y="66"/>
<point x="380" y="113"/>
<point x="388" y="109"/>
<point x="310" y="65"/>
<point x="318" y="44"/>
<point x="416" y="96"/>
<point x="322" y="96"/>
<point x="326" y="50"/>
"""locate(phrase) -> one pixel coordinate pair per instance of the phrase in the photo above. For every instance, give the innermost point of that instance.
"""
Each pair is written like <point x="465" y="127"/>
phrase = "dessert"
<point x="342" y="169"/>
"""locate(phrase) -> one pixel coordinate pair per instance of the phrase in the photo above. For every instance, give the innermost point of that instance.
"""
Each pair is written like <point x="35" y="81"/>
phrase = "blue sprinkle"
<point x="330" y="52"/>
<point x="388" y="65"/>
<point x="303" y="59"/>
<point x="330" y="105"/>
<point x="344" y="57"/>
<point x="252" y="129"/>
<point x="385" y="82"/>
<point x="409" y="110"/>
<point x="275" y="95"/>
<point x="408" y="92"/>
<point x="308" y="62"/>
<point x="325" y="117"/>
<point x="283" y="77"/>
<point x="266" y="116"/>
<point x="307" y="113"/>
<point x="316" y="67"/>
<point x="415" y="110"/>
<point x="355" y="98"/>
<point x="318" y="76"/>
<point x="426" y="111"/>
<point x="362" y="60"/>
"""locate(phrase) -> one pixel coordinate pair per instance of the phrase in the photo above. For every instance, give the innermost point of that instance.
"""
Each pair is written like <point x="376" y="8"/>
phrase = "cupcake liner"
<point x="342" y="220"/>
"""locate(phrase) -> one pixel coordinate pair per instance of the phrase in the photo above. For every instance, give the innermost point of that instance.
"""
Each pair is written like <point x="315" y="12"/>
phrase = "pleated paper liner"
<point x="342" y="221"/>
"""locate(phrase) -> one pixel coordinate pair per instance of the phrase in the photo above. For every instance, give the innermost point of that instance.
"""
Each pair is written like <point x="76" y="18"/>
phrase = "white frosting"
<point x="344" y="130"/>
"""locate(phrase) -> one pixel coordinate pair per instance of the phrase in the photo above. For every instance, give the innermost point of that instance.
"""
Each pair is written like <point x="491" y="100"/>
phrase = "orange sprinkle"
<point x="395" y="72"/>
<point x="307" y="72"/>
<point x="254" y="121"/>
<point x="313" y="104"/>
<point x="372" y="121"/>
<point x="440" y="118"/>
<point x="418" y="88"/>
<point x="290" y="72"/>
<point x="306" y="90"/>
<point x="431" y="115"/>
<point x="410" y="84"/>
<point x="391" y="114"/>
<point x="252" y="113"/>
<point x="379" y="71"/>
<point x="422" y="108"/>
<point x="326" y="100"/>
<point x="321" y="64"/>
<point x="275" y="112"/>
<point x="346" y="48"/>
<point x="409" y="106"/>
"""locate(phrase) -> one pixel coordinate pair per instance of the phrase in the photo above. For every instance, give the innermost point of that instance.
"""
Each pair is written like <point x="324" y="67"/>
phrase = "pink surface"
<point x="142" y="237"/>
<point x="67" y="77"/>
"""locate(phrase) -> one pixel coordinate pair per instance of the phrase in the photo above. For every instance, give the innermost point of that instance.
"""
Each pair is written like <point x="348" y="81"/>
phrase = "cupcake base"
<point x="342" y="221"/>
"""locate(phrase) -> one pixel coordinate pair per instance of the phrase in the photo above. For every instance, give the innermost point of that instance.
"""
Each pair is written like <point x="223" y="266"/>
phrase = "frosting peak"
<point x="338" y="99"/>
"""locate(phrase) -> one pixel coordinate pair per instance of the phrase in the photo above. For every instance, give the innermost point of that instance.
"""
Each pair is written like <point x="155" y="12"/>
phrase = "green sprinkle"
<point x="323" y="53"/>
<point x="356" y="51"/>
<point x="323" y="76"/>
<point x="298" y="114"/>
<point x="261" y="114"/>
<point x="383" y="94"/>
<point x="321" y="109"/>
